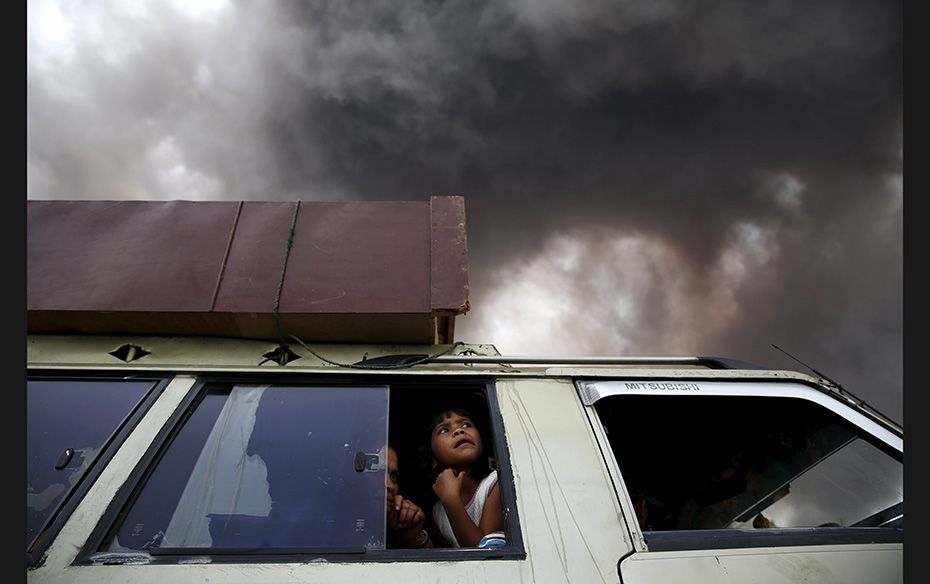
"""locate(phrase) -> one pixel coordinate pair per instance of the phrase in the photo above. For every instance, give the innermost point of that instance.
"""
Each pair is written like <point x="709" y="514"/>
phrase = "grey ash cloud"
<point x="662" y="177"/>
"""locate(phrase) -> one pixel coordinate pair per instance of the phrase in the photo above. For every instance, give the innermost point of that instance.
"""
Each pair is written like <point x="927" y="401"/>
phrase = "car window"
<point x="68" y="424"/>
<point x="246" y="470"/>
<point x="749" y="462"/>
<point x="267" y="466"/>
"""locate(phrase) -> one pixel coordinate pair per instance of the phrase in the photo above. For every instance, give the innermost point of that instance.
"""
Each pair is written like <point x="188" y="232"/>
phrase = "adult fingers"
<point x="406" y="515"/>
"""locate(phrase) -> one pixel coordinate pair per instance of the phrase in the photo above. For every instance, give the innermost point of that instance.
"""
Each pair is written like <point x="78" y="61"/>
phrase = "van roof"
<point x="217" y="354"/>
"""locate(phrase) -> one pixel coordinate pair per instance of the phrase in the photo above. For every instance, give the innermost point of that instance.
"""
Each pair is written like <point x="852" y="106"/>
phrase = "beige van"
<point x="201" y="459"/>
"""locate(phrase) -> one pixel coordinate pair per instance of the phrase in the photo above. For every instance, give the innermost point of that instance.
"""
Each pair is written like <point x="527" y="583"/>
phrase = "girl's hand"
<point x="448" y="485"/>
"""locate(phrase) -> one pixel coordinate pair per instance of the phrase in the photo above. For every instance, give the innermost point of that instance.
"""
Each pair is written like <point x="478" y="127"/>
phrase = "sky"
<point x="672" y="177"/>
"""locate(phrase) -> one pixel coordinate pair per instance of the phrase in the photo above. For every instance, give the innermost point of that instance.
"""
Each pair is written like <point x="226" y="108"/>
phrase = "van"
<point x="214" y="391"/>
<point x="207" y="459"/>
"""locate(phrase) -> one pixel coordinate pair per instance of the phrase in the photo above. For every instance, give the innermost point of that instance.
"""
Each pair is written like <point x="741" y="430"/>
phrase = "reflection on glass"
<point x="67" y="424"/>
<point x="848" y="487"/>
<point x="259" y="466"/>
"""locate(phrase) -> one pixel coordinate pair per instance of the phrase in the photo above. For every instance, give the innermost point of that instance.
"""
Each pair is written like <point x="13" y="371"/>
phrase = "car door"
<point x="737" y="481"/>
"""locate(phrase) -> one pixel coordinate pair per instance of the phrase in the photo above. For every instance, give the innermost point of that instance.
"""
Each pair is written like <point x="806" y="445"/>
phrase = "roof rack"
<point x="709" y="362"/>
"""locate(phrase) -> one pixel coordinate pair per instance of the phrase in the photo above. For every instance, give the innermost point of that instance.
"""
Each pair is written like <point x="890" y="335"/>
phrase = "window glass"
<point x="68" y="422"/>
<point x="858" y="485"/>
<point x="268" y="466"/>
<point x="714" y="462"/>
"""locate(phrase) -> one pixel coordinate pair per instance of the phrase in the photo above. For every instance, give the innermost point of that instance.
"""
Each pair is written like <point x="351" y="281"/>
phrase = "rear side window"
<point x="247" y="470"/>
<point x="70" y="422"/>
<point x="751" y="464"/>
<point x="267" y="466"/>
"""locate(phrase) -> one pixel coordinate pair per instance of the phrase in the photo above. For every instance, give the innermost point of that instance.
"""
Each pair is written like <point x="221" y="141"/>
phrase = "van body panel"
<point x="570" y="519"/>
<point x="621" y="495"/>
<point x="337" y="573"/>
<point x="851" y="564"/>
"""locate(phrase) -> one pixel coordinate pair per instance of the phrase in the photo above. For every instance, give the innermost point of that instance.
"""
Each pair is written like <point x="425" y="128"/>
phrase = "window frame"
<point x="889" y="441"/>
<point x="91" y="554"/>
<point x="109" y="447"/>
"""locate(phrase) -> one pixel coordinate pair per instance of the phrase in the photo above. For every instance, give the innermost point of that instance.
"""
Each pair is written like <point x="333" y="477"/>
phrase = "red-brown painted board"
<point x="374" y="271"/>
<point x="449" y="252"/>
<point x="253" y="266"/>
<point x="339" y="328"/>
<point x="125" y="255"/>
<point x="351" y="257"/>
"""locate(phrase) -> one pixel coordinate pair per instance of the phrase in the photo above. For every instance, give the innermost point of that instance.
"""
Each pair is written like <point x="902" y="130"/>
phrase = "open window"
<point x="743" y="465"/>
<point x="413" y="407"/>
<point x="250" y="469"/>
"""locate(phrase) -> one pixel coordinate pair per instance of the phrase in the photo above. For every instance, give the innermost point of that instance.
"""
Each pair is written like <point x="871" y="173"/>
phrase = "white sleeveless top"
<point x="474" y="508"/>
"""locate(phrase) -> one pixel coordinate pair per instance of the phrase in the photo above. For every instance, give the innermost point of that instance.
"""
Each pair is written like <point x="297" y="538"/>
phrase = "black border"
<point x="36" y="555"/>
<point x="122" y="501"/>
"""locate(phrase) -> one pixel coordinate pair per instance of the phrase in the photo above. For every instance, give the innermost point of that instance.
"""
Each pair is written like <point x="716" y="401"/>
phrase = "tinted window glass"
<point x="259" y="466"/>
<point x="748" y="462"/>
<point x="68" y="423"/>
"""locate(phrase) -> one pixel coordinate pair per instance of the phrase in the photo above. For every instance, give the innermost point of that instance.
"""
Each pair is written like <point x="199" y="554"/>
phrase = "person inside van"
<point x="469" y="511"/>
<point x="405" y="519"/>
<point x="650" y="511"/>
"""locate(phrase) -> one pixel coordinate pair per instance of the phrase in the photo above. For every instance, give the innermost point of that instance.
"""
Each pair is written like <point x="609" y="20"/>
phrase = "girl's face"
<point x="456" y="442"/>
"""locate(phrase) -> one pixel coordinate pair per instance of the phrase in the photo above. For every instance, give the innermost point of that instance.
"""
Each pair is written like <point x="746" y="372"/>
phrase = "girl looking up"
<point x="469" y="506"/>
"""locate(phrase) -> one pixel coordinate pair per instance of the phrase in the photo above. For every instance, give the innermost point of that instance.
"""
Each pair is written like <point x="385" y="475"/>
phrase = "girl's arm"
<point x="492" y="518"/>
<point x="466" y="532"/>
<point x="448" y="488"/>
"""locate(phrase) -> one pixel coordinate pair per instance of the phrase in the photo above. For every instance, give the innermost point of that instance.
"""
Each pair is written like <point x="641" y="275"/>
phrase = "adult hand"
<point x="405" y="519"/>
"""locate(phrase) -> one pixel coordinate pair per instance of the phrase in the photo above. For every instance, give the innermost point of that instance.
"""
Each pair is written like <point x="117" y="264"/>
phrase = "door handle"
<point x="365" y="462"/>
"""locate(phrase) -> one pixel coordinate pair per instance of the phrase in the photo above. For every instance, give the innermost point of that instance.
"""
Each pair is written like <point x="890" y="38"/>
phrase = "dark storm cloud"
<point x="722" y="174"/>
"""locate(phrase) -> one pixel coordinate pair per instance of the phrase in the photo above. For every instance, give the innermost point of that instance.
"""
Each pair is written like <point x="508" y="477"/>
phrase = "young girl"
<point x="469" y="506"/>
